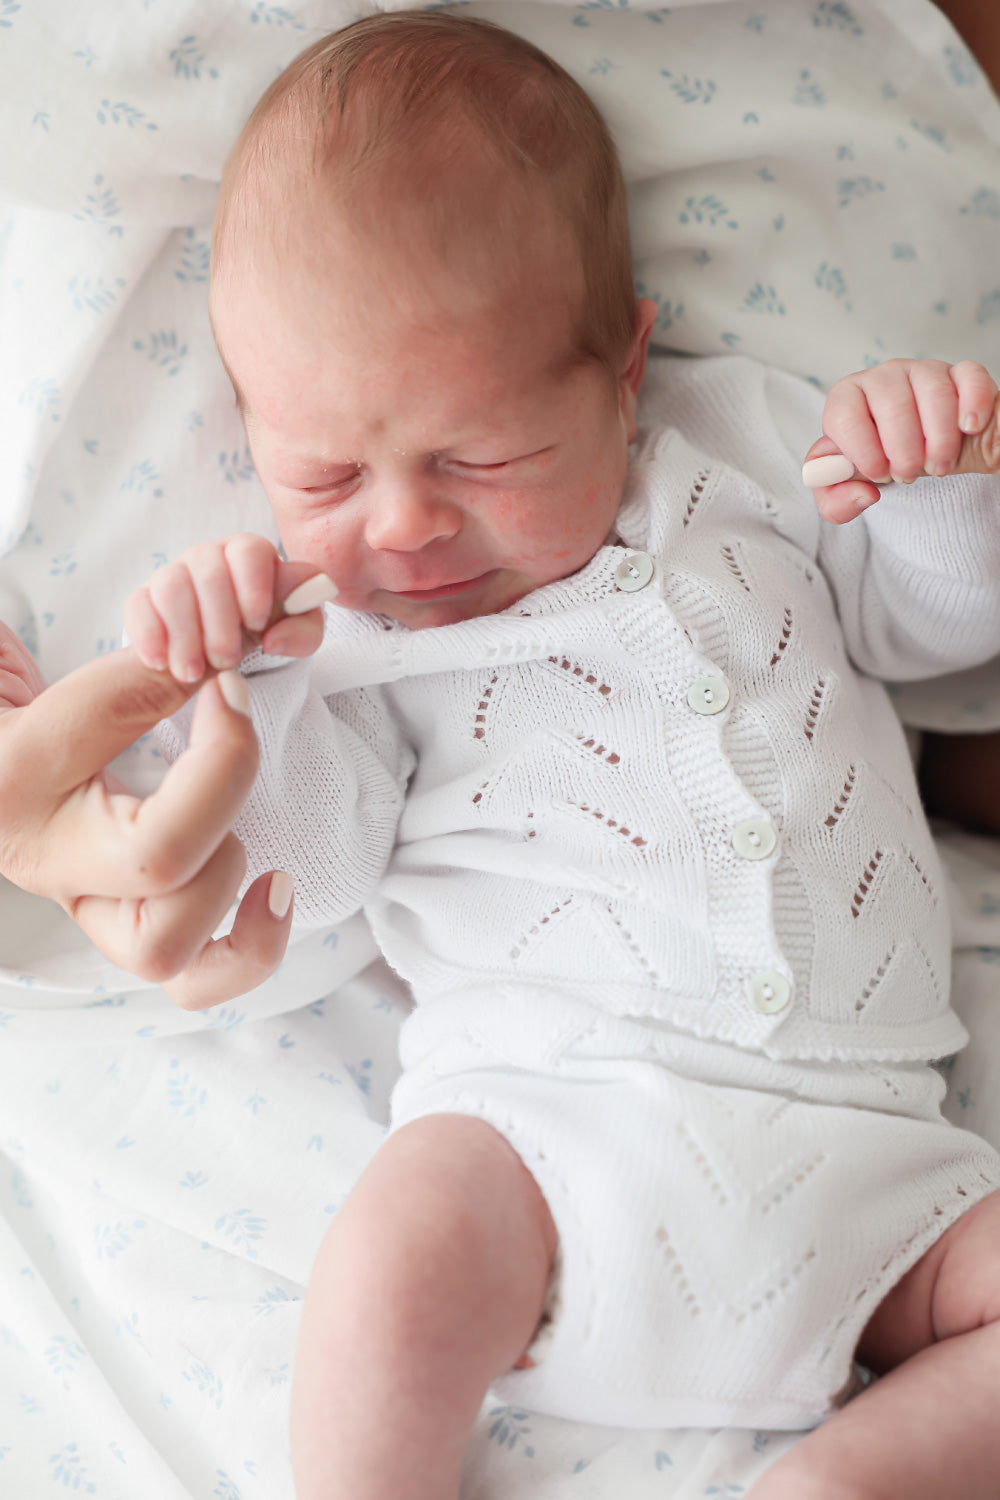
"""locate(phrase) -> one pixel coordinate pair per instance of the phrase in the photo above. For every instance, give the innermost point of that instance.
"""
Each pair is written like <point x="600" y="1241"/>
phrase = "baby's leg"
<point x="429" y="1285"/>
<point x="930" y="1428"/>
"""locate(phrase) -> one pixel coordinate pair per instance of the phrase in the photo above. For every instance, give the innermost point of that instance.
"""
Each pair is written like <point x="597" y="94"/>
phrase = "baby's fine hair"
<point x="423" y="89"/>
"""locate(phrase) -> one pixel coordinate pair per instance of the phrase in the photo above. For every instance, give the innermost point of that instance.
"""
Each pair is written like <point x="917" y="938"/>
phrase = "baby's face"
<point x="437" y="466"/>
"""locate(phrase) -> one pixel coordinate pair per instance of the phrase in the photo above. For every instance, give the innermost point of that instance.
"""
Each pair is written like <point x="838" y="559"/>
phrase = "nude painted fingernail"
<point x="970" y="421"/>
<point x="309" y="595"/>
<point x="234" y="690"/>
<point x="863" y="500"/>
<point x="280" y="891"/>
<point x="833" y="469"/>
<point x="898" y="479"/>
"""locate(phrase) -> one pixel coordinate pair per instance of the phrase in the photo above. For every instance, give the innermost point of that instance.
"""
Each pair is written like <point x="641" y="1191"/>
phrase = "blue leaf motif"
<point x="69" y="1470"/>
<point x="123" y="114"/>
<point x="63" y="1355"/>
<point x="189" y="60"/>
<point x="183" y="1092"/>
<point x="194" y="258"/>
<point x="763" y="299"/>
<point x="808" y="91"/>
<point x="42" y="395"/>
<point x="933" y="133"/>
<point x="8" y="8"/>
<point x="199" y="1374"/>
<point x="962" y="66"/>
<point x="236" y="466"/>
<point x="988" y="309"/>
<point x="97" y="295"/>
<point x="707" y="210"/>
<point x="831" y="279"/>
<point x="853" y="189"/>
<point x="835" y="15"/>
<point x="690" y="90"/>
<point x="102" y="207"/>
<point x="509" y="1427"/>
<point x="274" y="15"/>
<point x="163" y="349"/>
<point x="984" y="204"/>
<point x="244" y="1228"/>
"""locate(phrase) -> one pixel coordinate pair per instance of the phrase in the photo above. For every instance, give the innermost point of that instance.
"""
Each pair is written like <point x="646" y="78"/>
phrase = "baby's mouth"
<point x="442" y="590"/>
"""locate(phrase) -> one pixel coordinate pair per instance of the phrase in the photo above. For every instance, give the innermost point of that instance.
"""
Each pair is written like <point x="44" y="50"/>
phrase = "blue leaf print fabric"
<point x="815" y="183"/>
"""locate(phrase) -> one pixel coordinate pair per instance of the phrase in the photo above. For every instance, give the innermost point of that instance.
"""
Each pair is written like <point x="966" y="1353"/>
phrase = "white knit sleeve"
<point x="329" y="791"/>
<point x="917" y="578"/>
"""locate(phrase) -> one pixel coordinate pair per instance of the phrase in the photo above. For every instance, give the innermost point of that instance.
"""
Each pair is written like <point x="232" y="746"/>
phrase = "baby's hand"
<point x="898" y="421"/>
<point x="219" y="600"/>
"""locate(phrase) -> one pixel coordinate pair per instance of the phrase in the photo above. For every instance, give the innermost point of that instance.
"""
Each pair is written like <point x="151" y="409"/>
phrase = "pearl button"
<point x="754" y="838"/>
<point x="768" y="992"/>
<point x="709" y="695"/>
<point x="634" y="572"/>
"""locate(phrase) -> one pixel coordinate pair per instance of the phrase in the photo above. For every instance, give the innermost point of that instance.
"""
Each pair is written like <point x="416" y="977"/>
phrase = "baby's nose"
<point x="405" y="520"/>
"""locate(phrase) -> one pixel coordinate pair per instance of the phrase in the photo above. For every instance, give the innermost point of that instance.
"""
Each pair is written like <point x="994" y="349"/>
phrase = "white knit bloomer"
<point x="648" y="848"/>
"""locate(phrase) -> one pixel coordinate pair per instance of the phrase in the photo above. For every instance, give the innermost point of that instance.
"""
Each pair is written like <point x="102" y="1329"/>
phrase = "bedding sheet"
<point x="813" y="182"/>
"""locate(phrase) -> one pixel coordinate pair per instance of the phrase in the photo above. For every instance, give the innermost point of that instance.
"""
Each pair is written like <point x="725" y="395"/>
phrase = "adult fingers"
<point x="981" y="452"/>
<point x="231" y="965"/>
<point x="76" y="727"/>
<point x="977" y="394"/>
<point x="839" y="490"/>
<point x="157" y="937"/>
<point x="109" y="845"/>
<point x="295" y="627"/>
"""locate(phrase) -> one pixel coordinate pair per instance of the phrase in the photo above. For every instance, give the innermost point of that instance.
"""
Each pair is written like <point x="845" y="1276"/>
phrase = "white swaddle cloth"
<point x="814" y="183"/>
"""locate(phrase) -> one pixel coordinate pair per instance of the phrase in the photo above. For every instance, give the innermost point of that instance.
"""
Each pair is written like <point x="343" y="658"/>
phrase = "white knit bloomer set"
<point x="649" y="850"/>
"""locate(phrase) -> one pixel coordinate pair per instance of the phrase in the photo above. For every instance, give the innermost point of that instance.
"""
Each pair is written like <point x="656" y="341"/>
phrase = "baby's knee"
<point x="967" y="1287"/>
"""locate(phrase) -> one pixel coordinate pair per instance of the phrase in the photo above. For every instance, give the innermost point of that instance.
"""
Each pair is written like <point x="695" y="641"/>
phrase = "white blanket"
<point x="814" y="182"/>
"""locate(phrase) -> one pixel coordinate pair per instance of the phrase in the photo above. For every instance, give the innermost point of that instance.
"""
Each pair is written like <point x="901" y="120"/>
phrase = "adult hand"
<point x="148" y="880"/>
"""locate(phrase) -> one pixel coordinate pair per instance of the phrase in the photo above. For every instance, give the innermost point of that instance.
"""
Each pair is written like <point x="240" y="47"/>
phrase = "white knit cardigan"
<point x="530" y="798"/>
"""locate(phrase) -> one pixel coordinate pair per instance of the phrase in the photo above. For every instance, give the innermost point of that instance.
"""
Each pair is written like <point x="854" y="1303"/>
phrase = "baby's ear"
<point x="630" y="380"/>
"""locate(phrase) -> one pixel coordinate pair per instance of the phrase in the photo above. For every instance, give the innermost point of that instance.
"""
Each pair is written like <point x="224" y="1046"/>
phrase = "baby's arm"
<point x="917" y="577"/>
<point x="197" y="613"/>
<point x="898" y="422"/>
<point x="333" y="766"/>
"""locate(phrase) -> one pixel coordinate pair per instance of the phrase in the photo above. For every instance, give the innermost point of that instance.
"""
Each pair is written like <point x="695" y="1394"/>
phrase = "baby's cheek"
<point x="564" y="526"/>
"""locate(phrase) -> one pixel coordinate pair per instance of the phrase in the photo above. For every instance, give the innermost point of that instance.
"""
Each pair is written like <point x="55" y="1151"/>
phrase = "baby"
<point x="590" y="736"/>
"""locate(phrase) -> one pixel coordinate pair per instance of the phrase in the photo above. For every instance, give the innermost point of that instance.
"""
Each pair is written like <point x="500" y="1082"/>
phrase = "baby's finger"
<point x="172" y="594"/>
<point x="937" y="405"/>
<point x="977" y="394"/>
<point x="981" y="452"/>
<point x="253" y="563"/>
<point x="145" y="630"/>
<point x="218" y="607"/>
<point x="848" y="423"/>
<point x="249" y="954"/>
<point x="893" y="407"/>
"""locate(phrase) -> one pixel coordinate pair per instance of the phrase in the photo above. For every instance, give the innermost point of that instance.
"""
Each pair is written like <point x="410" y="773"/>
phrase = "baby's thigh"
<point x="953" y="1288"/>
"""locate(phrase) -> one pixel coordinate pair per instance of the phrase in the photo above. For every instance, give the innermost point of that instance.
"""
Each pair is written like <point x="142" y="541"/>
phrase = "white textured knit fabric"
<point x="569" y="823"/>
<point x="546" y="833"/>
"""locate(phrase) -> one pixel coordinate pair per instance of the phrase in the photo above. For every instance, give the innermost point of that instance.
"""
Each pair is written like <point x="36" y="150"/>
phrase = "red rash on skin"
<point x="402" y="407"/>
